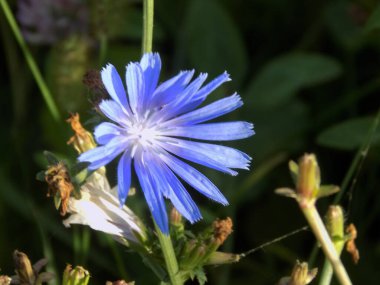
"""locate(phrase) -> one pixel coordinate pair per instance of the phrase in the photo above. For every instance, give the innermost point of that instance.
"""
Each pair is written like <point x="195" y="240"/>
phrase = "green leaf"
<point x="284" y="76"/>
<point x="327" y="190"/>
<point x="373" y="23"/>
<point x="348" y="135"/>
<point x="40" y="176"/>
<point x="51" y="158"/>
<point x="200" y="275"/>
<point x="212" y="40"/>
<point x="293" y="167"/>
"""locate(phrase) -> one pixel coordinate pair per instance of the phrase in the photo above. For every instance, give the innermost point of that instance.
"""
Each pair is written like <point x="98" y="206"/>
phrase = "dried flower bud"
<point x="5" y="280"/>
<point x="76" y="276"/>
<point x="222" y="229"/>
<point x="59" y="185"/>
<point x="350" y="245"/>
<point x="93" y="81"/>
<point x="309" y="179"/>
<point x="23" y="268"/>
<point x="82" y="140"/>
<point x="175" y="217"/>
<point x="301" y="275"/>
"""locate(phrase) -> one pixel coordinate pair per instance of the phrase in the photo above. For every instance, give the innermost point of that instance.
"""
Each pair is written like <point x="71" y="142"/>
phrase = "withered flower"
<point x="60" y="185"/>
<point x="350" y="245"/>
<point x="222" y="229"/>
<point x="301" y="275"/>
<point x="26" y="274"/>
<point x="82" y="140"/>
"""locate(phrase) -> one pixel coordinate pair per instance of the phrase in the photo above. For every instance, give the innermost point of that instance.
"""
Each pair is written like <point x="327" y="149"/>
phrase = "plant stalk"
<point x="30" y="61"/>
<point x="321" y="234"/>
<point x="165" y="241"/>
<point x="170" y="258"/>
<point x="148" y="14"/>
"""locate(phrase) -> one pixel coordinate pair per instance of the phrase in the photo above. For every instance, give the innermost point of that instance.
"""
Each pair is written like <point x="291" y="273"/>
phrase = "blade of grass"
<point x="30" y="61"/>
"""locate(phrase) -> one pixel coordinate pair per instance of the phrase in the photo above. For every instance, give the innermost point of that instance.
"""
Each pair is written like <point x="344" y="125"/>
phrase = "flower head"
<point x="151" y="128"/>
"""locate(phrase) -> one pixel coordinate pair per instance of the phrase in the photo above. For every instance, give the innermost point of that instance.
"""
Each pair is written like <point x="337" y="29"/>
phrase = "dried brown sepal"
<point x="59" y="183"/>
<point x="350" y="245"/>
<point x="82" y="140"/>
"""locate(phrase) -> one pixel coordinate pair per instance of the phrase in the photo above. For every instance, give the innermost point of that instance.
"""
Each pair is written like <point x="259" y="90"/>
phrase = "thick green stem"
<point x="30" y="60"/>
<point x="320" y="232"/>
<point x="148" y="26"/>
<point x="170" y="258"/>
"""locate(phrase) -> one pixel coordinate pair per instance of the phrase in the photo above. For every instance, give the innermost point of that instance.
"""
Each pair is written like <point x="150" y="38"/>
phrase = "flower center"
<point x="142" y="134"/>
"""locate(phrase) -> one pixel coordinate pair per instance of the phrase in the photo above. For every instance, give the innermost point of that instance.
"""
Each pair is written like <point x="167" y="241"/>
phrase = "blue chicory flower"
<point x="149" y="127"/>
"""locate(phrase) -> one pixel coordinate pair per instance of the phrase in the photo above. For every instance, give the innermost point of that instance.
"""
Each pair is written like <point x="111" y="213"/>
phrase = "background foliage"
<point x="309" y="74"/>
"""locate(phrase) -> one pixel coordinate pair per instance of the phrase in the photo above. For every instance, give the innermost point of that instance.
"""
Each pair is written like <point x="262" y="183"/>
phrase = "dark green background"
<point x="309" y="74"/>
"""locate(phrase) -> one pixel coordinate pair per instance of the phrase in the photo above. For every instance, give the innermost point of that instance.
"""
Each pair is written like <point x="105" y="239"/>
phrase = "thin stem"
<point x="147" y="26"/>
<point x="327" y="270"/>
<point x="170" y="258"/>
<point x="320" y="232"/>
<point x="31" y="62"/>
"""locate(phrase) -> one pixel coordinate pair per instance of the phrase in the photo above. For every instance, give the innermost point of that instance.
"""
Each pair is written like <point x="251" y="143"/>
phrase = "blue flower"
<point x="158" y="125"/>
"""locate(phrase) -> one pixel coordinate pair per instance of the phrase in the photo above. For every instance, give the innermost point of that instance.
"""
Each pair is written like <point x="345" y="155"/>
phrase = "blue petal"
<point x="124" y="177"/>
<point x="151" y="66"/>
<point x="136" y="87"/>
<point x="208" y="112"/>
<point x="194" y="178"/>
<point x="153" y="197"/>
<point x="102" y="155"/>
<point x="174" y="190"/>
<point x="112" y="81"/>
<point x="114" y="112"/>
<point x="215" y="131"/>
<point x="180" y="104"/>
<point x="210" y="87"/>
<point x="169" y="90"/>
<point x="215" y="156"/>
<point x="106" y="131"/>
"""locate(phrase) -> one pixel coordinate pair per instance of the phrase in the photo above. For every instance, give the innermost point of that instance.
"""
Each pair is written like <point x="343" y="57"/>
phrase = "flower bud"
<point x="76" y="276"/>
<point x="120" y="282"/>
<point x="309" y="178"/>
<point x="175" y="217"/>
<point x="335" y="223"/>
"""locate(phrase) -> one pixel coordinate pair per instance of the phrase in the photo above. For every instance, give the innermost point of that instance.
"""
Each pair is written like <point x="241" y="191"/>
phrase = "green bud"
<point x="334" y="221"/>
<point x="309" y="178"/>
<point x="76" y="276"/>
<point x="218" y="258"/>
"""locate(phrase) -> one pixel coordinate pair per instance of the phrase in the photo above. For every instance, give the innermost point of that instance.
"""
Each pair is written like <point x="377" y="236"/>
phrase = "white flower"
<point x="99" y="209"/>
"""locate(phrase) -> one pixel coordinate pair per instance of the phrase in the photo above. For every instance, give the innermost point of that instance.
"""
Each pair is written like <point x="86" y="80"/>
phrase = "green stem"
<point x="31" y="62"/>
<point x="170" y="258"/>
<point x="327" y="270"/>
<point x="165" y="241"/>
<point x="321" y="234"/>
<point x="147" y="26"/>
